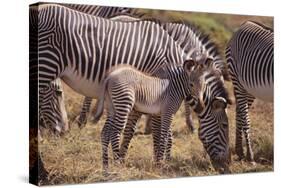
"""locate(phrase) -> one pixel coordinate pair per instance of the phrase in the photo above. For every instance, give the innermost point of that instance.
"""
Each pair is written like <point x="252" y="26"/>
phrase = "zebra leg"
<point x="246" y="129"/>
<point x="188" y="117"/>
<point x="148" y="125"/>
<point x="243" y="124"/>
<point x="166" y="120"/>
<point x="129" y="133"/>
<point x="115" y="140"/>
<point x="122" y="108"/>
<point x="105" y="138"/>
<point x="82" y="118"/>
<point x="169" y="146"/>
<point x="156" y="130"/>
<point x="239" y="135"/>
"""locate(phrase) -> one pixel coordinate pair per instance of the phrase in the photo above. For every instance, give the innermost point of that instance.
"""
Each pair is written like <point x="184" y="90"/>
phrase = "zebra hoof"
<point x="193" y="131"/>
<point x="105" y="173"/>
<point x="94" y="120"/>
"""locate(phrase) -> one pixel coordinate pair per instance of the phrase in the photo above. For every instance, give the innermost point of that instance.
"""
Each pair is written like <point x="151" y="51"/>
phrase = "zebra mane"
<point x="139" y="16"/>
<point x="259" y="24"/>
<point x="130" y="14"/>
<point x="203" y="38"/>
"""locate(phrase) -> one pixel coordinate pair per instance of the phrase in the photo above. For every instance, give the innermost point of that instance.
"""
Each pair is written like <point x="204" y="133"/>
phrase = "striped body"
<point x="250" y="60"/>
<point x="59" y="116"/>
<point x="67" y="47"/>
<point x="81" y="48"/>
<point x="127" y="89"/>
<point x="193" y="43"/>
<point x="213" y="130"/>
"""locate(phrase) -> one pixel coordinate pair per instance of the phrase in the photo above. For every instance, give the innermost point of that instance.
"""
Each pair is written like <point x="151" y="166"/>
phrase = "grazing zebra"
<point x="213" y="120"/>
<point x="56" y="118"/>
<point x="80" y="49"/>
<point x="191" y="41"/>
<point x="52" y="113"/>
<point x="58" y="47"/>
<point x="249" y="57"/>
<point x="126" y="89"/>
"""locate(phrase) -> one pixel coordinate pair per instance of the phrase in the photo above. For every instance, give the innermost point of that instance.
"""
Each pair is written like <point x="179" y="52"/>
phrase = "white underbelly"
<point x="81" y="85"/>
<point x="264" y="93"/>
<point x="148" y="109"/>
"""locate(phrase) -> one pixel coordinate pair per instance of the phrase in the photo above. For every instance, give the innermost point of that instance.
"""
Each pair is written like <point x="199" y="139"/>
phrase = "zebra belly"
<point x="264" y="93"/>
<point x="147" y="109"/>
<point x="81" y="85"/>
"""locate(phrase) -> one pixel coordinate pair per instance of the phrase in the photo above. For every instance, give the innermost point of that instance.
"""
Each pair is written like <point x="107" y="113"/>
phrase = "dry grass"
<point x="76" y="157"/>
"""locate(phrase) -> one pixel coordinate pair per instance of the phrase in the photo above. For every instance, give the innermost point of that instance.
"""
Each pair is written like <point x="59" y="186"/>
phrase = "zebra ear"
<point x="219" y="103"/>
<point x="188" y="65"/>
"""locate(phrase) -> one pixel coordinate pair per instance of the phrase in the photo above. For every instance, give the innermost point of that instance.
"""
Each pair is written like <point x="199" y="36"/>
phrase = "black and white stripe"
<point x="52" y="111"/>
<point x="249" y="57"/>
<point x="91" y="9"/>
<point x="192" y="41"/>
<point x="126" y="89"/>
<point x="81" y="49"/>
<point x="213" y="128"/>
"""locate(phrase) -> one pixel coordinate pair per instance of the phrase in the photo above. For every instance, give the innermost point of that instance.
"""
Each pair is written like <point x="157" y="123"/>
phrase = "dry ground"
<point x="76" y="157"/>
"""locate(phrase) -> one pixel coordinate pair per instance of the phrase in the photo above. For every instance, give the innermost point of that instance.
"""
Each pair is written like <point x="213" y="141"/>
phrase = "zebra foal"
<point x="125" y="89"/>
<point x="213" y="132"/>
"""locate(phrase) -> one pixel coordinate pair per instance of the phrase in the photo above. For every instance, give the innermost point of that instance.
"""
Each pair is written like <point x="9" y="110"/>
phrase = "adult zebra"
<point x="191" y="40"/>
<point x="81" y="49"/>
<point x="249" y="56"/>
<point x="54" y="114"/>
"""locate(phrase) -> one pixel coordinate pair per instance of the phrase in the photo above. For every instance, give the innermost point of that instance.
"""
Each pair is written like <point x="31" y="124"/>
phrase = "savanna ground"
<point x="76" y="156"/>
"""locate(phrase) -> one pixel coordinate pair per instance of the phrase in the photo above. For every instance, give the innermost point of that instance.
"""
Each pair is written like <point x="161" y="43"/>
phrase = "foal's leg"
<point x="129" y="133"/>
<point x="105" y="138"/>
<point x="123" y="102"/>
<point x="82" y="119"/>
<point x="188" y="117"/>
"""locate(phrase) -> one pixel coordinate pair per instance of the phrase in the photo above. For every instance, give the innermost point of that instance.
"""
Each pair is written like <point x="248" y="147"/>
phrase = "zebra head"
<point x="197" y="67"/>
<point x="214" y="129"/>
<point x="52" y="110"/>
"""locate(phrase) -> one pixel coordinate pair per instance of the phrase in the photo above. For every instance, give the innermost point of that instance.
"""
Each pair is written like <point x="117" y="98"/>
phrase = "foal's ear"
<point x="188" y="65"/>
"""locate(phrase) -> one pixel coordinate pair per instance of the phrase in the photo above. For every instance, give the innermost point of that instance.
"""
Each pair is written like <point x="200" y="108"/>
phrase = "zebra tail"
<point x="99" y="111"/>
<point x="100" y="105"/>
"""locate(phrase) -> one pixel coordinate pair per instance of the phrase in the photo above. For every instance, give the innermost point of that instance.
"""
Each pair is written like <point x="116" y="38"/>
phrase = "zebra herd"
<point x="138" y="66"/>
